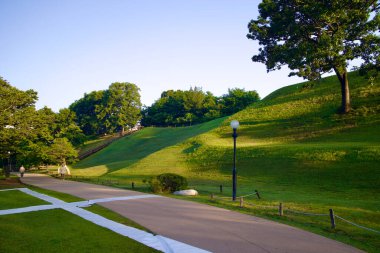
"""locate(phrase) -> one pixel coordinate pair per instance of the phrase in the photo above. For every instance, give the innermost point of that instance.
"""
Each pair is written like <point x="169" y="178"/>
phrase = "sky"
<point x="64" y="49"/>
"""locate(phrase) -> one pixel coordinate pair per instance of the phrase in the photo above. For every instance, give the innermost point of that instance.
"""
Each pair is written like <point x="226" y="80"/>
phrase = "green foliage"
<point x="86" y="114"/>
<point x="61" y="151"/>
<point x="179" y="108"/>
<point x="195" y="106"/>
<point x="317" y="37"/>
<point x="237" y="100"/>
<point x="168" y="182"/>
<point x="155" y="185"/>
<point x="120" y="107"/>
<point x="66" y="127"/>
<point x="27" y="134"/>
<point x="22" y="130"/>
<point x="108" y="111"/>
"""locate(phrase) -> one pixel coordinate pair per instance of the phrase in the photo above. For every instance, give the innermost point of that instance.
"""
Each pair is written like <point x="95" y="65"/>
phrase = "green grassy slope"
<point x="292" y="146"/>
<point x="133" y="149"/>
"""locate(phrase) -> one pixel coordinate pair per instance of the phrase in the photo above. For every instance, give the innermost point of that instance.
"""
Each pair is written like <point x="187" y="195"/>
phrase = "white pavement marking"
<point x="43" y="196"/>
<point x="154" y="241"/>
<point x="28" y="209"/>
<point x="123" y="198"/>
<point x="4" y="190"/>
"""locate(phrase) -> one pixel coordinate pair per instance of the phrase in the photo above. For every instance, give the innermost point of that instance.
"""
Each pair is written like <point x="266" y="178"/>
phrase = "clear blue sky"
<point x="63" y="49"/>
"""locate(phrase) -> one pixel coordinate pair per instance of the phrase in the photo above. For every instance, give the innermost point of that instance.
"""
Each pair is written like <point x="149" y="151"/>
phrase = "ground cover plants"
<point x="293" y="147"/>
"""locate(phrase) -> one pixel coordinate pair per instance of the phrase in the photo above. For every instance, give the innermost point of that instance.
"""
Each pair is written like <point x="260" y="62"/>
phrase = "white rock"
<point x="190" y="192"/>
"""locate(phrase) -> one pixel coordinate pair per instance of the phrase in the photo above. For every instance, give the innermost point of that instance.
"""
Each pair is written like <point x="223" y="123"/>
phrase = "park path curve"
<point x="207" y="227"/>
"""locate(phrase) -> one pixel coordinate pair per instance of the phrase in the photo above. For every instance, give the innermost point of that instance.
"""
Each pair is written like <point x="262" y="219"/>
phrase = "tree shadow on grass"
<point x="131" y="149"/>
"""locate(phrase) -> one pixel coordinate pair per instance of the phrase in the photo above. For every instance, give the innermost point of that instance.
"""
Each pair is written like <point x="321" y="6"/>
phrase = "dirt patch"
<point x="10" y="183"/>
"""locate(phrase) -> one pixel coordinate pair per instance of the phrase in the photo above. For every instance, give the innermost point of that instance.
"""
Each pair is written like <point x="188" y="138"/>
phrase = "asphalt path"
<point x="207" y="227"/>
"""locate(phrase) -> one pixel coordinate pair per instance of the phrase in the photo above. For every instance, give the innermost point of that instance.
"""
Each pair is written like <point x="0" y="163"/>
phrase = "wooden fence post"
<point x="332" y="218"/>
<point x="212" y="196"/>
<point x="241" y="202"/>
<point x="280" y="210"/>
<point x="133" y="185"/>
<point x="221" y="188"/>
<point x="258" y="194"/>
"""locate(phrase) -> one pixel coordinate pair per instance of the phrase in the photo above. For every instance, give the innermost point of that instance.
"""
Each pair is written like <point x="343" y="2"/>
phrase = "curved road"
<point x="203" y="226"/>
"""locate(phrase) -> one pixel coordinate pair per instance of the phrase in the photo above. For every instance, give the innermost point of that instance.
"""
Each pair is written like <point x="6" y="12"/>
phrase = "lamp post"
<point x="234" y="125"/>
<point x="9" y="165"/>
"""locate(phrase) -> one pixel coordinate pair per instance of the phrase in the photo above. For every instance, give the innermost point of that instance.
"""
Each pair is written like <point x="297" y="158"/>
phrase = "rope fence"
<point x="97" y="180"/>
<point x="357" y="225"/>
<point x="308" y="214"/>
<point x="281" y="210"/>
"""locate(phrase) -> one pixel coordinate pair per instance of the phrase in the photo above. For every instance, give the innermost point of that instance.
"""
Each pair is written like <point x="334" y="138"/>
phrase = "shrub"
<point x="155" y="185"/>
<point x="168" y="182"/>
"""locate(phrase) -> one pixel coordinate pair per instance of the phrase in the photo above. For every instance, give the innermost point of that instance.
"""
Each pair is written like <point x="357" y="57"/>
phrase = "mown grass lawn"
<point x="58" y="230"/>
<point x="293" y="147"/>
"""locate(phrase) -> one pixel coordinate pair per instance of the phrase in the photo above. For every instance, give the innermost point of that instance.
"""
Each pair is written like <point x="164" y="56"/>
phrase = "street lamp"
<point x="234" y="125"/>
<point x="9" y="164"/>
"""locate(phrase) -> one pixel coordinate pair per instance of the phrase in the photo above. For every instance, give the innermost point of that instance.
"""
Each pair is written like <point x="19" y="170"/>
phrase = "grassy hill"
<point x="293" y="147"/>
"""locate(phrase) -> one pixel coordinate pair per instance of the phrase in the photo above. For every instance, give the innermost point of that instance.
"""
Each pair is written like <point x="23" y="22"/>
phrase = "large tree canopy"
<point x="236" y="100"/>
<point x="109" y="110"/>
<point x="17" y="119"/>
<point x="86" y="115"/>
<point x="178" y="107"/>
<point x="121" y="106"/>
<point x="315" y="37"/>
<point x="28" y="135"/>
<point x="195" y="106"/>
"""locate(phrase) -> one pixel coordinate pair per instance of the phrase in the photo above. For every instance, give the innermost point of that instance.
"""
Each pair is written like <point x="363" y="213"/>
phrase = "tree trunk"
<point x="345" y="91"/>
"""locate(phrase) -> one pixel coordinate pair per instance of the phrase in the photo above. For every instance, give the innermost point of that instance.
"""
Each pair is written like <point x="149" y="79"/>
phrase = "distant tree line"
<point x="35" y="137"/>
<point x="184" y="108"/>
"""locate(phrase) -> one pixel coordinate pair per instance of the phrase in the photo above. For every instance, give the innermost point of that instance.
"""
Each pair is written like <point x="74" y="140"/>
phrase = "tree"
<point x="181" y="108"/>
<point x="61" y="151"/>
<point x="316" y="37"/>
<point x="121" y="106"/>
<point x="26" y="134"/>
<point x="16" y="119"/>
<point x="236" y="100"/>
<point x="86" y="114"/>
<point x="66" y="127"/>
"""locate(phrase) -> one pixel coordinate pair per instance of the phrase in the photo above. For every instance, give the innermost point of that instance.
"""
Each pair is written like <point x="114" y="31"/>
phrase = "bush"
<point x="155" y="185"/>
<point x="168" y="182"/>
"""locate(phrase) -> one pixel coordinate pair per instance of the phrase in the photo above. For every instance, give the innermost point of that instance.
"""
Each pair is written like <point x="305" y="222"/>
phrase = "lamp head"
<point x="234" y="124"/>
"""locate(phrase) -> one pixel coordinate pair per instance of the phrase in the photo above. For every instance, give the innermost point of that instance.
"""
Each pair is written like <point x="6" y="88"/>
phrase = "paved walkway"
<point x="203" y="226"/>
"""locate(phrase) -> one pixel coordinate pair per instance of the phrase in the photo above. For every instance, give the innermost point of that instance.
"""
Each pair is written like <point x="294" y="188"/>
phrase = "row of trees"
<point x="34" y="137"/>
<point x="195" y="106"/>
